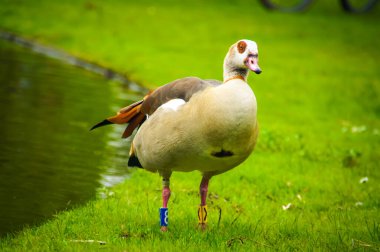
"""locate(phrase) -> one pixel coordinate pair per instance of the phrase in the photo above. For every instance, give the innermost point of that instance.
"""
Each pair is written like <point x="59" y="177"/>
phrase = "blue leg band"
<point x="164" y="221"/>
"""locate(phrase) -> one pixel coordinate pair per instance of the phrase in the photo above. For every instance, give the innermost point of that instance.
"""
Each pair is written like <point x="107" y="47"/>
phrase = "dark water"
<point x="49" y="160"/>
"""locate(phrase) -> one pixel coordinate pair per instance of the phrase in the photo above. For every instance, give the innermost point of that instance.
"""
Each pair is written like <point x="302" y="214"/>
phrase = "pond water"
<point x="49" y="160"/>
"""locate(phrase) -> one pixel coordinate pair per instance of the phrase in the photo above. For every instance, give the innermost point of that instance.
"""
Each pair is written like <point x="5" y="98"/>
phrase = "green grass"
<point x="319" y="113"/>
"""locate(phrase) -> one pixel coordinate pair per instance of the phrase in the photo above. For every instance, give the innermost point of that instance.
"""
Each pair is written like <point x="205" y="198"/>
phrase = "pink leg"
<point x="165" y="196"/>
<point x="164" y="209"/>
<point x="203" y="190"/>
<point x="202" y="211"/>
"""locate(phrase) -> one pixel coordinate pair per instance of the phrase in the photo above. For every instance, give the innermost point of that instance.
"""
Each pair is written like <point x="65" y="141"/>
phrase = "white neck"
<point x="231" y="72"/>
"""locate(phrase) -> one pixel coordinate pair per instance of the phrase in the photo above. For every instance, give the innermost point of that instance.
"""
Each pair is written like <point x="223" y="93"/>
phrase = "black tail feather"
<point x="103" y="123"/>
<point x="134" y="162"/>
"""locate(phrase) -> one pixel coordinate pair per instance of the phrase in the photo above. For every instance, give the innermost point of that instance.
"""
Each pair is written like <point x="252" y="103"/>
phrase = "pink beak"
<point x="252" y="63"/>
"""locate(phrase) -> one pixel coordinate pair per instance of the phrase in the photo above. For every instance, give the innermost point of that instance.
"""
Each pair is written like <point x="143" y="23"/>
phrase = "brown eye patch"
<point x="241" y="46"/>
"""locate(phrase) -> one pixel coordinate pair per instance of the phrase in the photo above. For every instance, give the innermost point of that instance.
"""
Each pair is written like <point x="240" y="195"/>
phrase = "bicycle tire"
<point x="349" y="7"/>
<point x="300" y="6"/>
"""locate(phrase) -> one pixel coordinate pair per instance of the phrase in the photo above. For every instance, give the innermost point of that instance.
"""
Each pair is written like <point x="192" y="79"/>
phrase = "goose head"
<point x="241" y="57"/>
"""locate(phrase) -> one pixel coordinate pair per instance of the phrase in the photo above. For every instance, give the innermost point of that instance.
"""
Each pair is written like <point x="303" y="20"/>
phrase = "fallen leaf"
<point x="286" y="207"/>
<point x="363" y="180"/>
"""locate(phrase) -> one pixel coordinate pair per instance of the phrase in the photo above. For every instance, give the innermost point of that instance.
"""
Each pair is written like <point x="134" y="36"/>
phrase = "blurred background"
<point x="318" y="95"/>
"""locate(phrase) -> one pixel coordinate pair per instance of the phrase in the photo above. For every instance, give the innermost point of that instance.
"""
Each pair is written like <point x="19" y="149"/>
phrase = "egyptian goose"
<point x="193" y="124"/>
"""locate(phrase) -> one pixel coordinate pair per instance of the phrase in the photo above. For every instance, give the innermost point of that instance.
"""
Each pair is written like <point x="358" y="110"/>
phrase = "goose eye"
<point x="241" y="46"/>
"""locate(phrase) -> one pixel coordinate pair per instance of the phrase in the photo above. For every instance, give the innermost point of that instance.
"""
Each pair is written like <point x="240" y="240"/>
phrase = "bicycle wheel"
<point x="358" y="6"/>
<point x="286" y="6"/>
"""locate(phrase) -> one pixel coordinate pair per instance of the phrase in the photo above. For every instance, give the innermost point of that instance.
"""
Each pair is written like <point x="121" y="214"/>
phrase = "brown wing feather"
<point x="137" y="120"/>
<point x="129" y="107"/>
<point x="135" y="113"/>
<point x="182" y="88"/>
<point x="123" y="116"/>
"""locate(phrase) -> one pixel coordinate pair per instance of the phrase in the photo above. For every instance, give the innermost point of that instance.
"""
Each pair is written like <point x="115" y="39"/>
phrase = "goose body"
<point x="213" y="132"/>
<point x="194" y="124"/>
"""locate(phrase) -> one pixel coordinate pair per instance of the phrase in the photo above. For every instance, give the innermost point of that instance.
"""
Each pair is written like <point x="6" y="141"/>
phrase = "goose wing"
<point x="135" y="114"/>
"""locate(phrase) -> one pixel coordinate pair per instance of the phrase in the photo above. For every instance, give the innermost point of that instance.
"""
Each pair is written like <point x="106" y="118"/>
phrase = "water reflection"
<point x="49" y="161"/>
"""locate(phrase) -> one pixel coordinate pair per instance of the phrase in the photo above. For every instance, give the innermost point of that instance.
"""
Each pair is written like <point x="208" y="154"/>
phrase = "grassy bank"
<point x="319" y="112"/>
